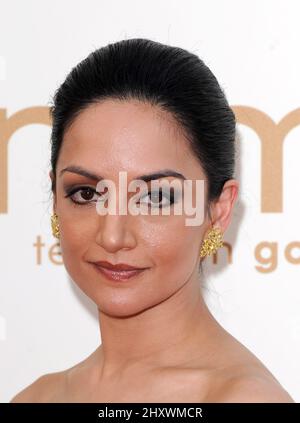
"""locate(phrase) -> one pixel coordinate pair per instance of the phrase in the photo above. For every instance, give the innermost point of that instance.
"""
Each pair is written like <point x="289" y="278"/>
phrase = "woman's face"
<point x="134" y="137"/>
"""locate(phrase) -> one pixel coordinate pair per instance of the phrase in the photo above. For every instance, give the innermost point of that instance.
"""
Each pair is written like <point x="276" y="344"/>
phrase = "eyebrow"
<point x="148" y="177"/>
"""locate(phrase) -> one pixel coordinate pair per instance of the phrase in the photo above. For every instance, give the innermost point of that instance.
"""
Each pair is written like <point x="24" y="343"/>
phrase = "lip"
<point x="118" y="275"/>
<point x="117" y="267"/>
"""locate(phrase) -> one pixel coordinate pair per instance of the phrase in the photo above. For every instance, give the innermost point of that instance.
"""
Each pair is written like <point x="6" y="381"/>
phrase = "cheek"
<point x="76" y="236"/>
<point x="168" y="246"/>
<point x="74" y="244"/>
<point x="173" y="247"/>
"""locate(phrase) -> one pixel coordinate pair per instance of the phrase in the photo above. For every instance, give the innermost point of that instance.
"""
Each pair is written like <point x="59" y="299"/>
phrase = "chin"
<point x="117" y="299"/>
<point x="120" y="306"/>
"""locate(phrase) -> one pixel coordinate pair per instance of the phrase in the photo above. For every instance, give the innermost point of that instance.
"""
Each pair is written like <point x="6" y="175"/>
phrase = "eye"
<point x="83" y="195"/>
<point x="157" y="196"/>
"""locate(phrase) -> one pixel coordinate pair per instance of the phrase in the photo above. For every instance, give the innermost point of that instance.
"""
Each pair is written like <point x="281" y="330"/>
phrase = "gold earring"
<point x="212" y="242"/>
<point x="55" y="225"/>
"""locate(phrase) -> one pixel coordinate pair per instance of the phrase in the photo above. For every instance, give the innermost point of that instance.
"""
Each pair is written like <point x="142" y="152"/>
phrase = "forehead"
<point x="131" y="136"/>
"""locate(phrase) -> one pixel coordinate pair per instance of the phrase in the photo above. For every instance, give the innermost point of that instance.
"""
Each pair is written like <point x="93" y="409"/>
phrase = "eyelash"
<point x="170" y="198"/>
<point x="72" y="191"/>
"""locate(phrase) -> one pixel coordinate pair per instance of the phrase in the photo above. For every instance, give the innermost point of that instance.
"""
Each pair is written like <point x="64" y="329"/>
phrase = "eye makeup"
<point x="85" y="195"/>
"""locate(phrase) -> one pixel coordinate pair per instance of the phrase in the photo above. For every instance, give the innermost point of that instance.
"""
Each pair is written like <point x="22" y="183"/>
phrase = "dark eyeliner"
<point x="73" y="190"/>
<point x="170" y="196"/>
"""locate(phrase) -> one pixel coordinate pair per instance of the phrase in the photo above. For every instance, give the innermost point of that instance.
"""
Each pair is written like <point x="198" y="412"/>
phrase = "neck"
<point x="167" y="334"/>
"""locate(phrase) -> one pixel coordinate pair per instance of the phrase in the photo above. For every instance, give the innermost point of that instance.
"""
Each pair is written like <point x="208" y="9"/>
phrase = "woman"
<point x="142" y="107"/>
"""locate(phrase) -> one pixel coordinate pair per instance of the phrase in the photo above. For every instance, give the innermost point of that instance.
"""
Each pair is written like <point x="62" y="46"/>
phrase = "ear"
<point x="51" y="174"/>
<point x="222" y="208"/>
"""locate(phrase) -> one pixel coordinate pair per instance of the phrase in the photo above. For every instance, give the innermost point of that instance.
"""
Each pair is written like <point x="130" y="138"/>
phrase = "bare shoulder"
<point x="52" y="387"/>
<point x="43" y="389"/>
<point x="254" y="387"/>
<point x="240" y="376"/>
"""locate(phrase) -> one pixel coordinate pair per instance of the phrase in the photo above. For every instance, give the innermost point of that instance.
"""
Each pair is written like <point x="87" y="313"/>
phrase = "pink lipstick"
<point x="117" y="272"/>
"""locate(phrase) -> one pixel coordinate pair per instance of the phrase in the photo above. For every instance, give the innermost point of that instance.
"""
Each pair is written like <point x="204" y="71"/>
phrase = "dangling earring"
<point x="212" y="242"/>
<point x="55" y="225"/>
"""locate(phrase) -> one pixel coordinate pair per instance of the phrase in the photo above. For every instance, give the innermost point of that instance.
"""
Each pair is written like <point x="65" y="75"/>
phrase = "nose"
<point x="115" y="232"/>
